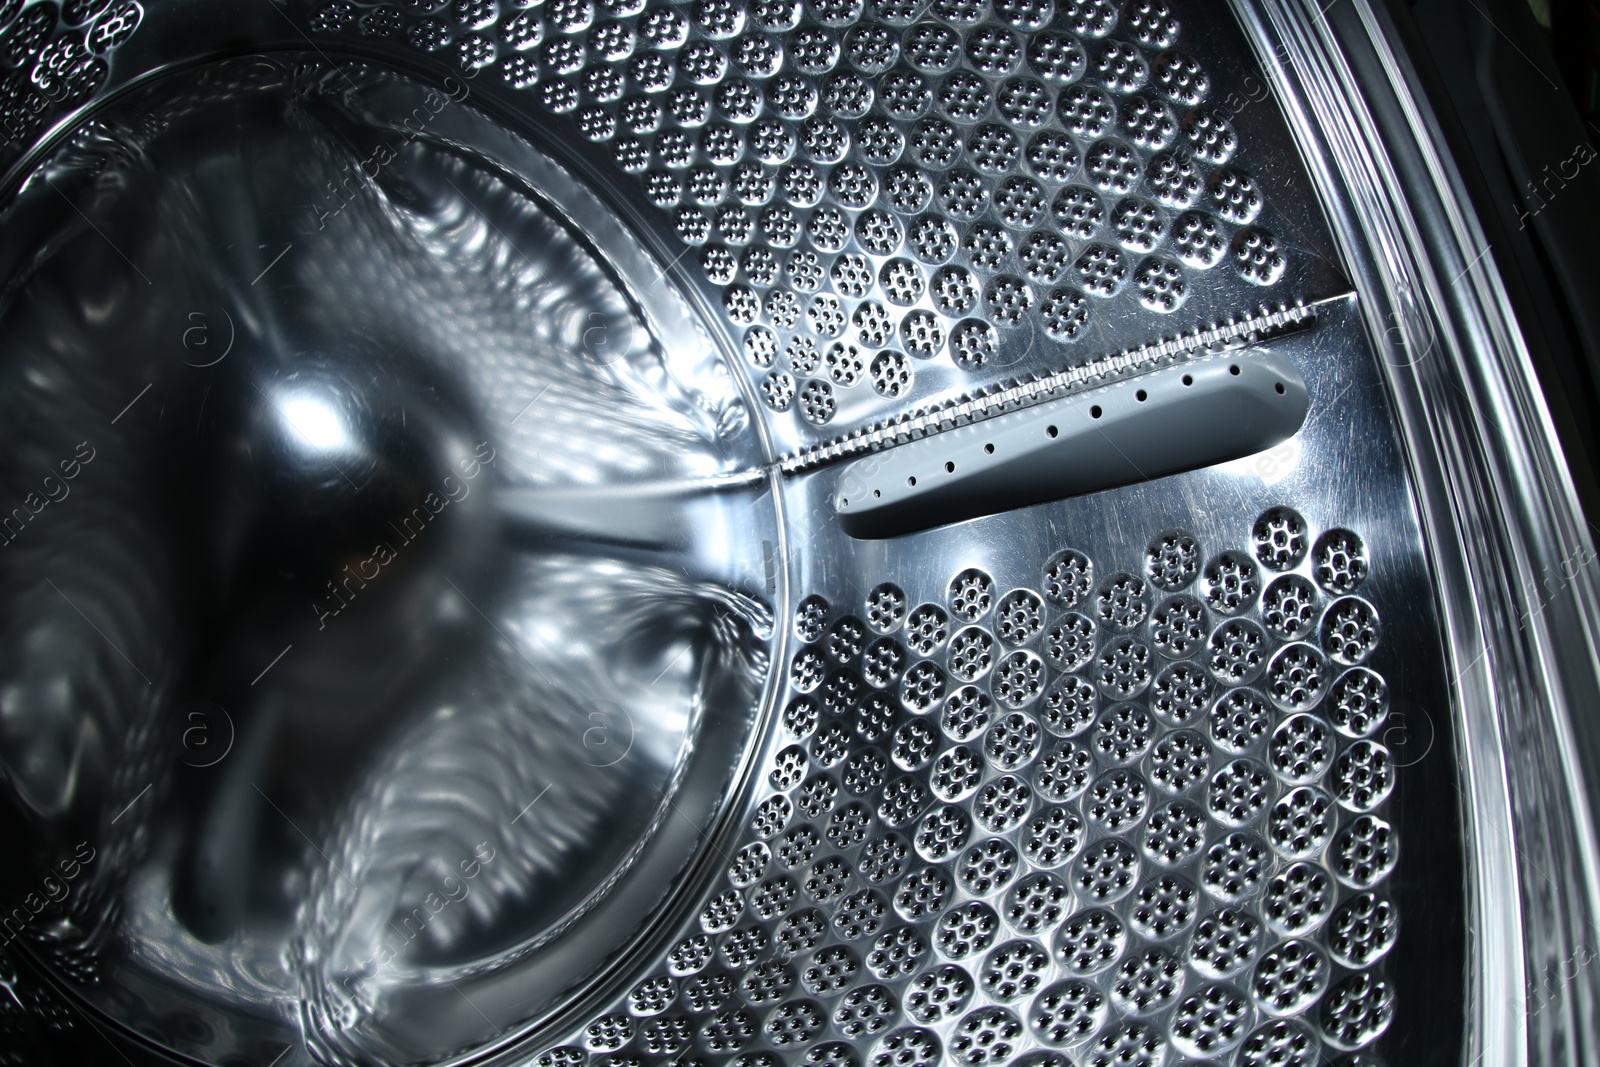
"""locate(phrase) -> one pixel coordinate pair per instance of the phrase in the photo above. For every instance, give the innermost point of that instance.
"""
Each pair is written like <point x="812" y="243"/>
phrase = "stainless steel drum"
<point x="758" y="532"/>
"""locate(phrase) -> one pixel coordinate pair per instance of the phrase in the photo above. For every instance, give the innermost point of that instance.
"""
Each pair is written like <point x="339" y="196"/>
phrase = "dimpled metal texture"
<point x="54" y="57"/>
<point x="1133" y="814"/>
<point x="893" y="200"/>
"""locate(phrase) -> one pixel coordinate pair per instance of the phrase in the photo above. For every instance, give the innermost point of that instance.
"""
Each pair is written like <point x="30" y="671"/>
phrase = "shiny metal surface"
<point x="635" y="755"/>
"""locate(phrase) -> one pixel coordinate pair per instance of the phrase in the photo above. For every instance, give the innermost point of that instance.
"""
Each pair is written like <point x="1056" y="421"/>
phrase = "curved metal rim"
<point x="1481" y="447"/>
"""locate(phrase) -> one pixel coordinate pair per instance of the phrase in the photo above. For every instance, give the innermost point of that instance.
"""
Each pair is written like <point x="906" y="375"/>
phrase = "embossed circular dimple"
<point x="1239" y="792"/>
<point x="1236" y="652"/>
<point x="1069" y="706"/>
<point x="1079" y="212"/>
<point x="861" y="914"/>
<point x="1350" y="630"/>
<point x="1069" y="643"/>
<point x="788" y="768"/>
<point x="829" y="880"/>
<point x="846" y="639"/>
<point x="927" y="629"/>
<point x="1362" y="930"/>
<point x="1357" y="1010"/>
<point x="1129" y="1043"/>
<point x="972" y="652"/>
<point x="1301" y="749"/>
<point x="796" y="847"/>
<point x="1162" y="907"/>
<point x="966" y="714"/>
<point x="1063" y="774"/>
<point x="884" y="858"/>
<point x="1161" y="284"/>
<point x="800" y="716"/>
<point x="1279" y="536"/>
<point x="1235" y="867"/>
<point x="1012" y="742"/>
<point x="652" y="996"/>
<point x="829" y="971"/>
<point x="987" y="866"/>
<point x="942" y="833"/>
<point x="771" y="816"/>
<point x="1052" y="837"/>
<point x="1339" y="561"/>
<point x="1019" y="616"/>
<point x="1224" y="944"/>
<point x="1036" y="904"/>
<point x="841" y="691"/>
<point x="1179" y="761"/>
<point x="966" y="930"/>
<point x="985" y="1036"/>
<point x="971" y="595"/>
<point x="1014" y="969"/>
<point x="1146" y="982"/>
<point x="1119" y="67"/>
<point x="1105" y="871"/>
<point x="1123" y="668"/>
<point x="1052" y="155"/>
<point x="1289" y="607"/>
<point x="1280" y="1043"/>
<point x="956" y="774"/>
<point x="1068" y="577"/>
<point x="1289" y="978"/>
<point x="1067" y="1013"/>
<point x="1116" y="800"/>
<point x="1137" y="223"/>
<point x="883" y="662"/>
<point x="1364" y="852"/>
<point x="811" y="618"/>
<point x="1235" y="196"/>
<point x="1257" y="256"/>
<point x="896" y="952"/>
<point x="938" y="994"/>
<point x="1113" y="167"/>
<point x="1211" y="1021"/>
<point x="1181" y="78"/>
<point x="923" y="687"/>
<point x="1019" y="679"/>
<point x="974" y="343"/>
<point x="1175" y="181"/>
<point x="908" y="1047"/>
<point x="1044" y="255"/>
<point x="1239" y="720"/>
<point x="923" y="893"/>
<point x="816" y="796"/>
<point x="1172" y="560"/>
<point x="1363" y="776"/>
<point x="1210" y="136"/>
<point x="1123" y="733"/>
<point x="1302" y="822"/>
<point x="1180" y="693"/>
<point x="1230" y="583"/>
<point x="864" y="771"/>
<point x="1148" y="122"/>
<point x="1178" y="626"/>
<point x="1198" y="240"/>
<point x="1089" y="941"/>
<point x="1298" y="899"/>
<point x="1358" y="702"/>
<point x="1003" y="803"/>
<point x="913" y="745"/>
<point x="1174" y="833"/>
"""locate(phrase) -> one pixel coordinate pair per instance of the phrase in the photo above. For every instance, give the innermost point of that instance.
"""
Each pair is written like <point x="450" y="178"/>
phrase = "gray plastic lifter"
<point x="1184" y="417"/>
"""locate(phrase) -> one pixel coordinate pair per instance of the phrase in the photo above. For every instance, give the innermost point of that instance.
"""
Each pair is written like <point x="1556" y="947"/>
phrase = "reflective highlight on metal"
<point x="432" y="628"/>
